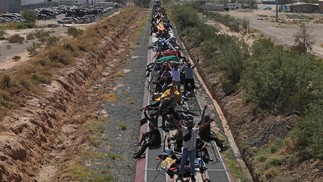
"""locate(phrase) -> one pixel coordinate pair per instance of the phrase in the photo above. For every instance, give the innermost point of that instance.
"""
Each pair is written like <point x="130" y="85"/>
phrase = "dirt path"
<point x="282" y="33"/>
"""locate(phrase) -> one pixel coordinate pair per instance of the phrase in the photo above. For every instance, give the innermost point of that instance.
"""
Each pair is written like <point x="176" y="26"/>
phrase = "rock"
<point x="11" y="147"/>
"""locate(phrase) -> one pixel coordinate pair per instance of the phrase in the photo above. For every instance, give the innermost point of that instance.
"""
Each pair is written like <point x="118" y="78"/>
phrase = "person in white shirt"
<point x="190" y="134"/>
<point x="176" y="75"/>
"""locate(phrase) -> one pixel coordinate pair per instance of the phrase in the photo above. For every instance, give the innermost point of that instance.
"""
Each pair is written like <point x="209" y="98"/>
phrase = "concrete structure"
<point x="32" y="4"/>
<point x="91" y="2"/>
<point x="268" y="1"/>
<point x="10" y="6"/>
<point x="320" y="6"/>
<point x="74" y="2"/>
<point x="304" y="8"/>
<point x="212" y="7"/>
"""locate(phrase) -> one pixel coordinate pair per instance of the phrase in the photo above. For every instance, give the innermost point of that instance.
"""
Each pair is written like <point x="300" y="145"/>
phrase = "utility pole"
<point x="276" y="10"/>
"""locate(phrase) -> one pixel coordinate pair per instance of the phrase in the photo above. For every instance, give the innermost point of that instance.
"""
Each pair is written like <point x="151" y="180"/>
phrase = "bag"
<point x="188" y="136"/>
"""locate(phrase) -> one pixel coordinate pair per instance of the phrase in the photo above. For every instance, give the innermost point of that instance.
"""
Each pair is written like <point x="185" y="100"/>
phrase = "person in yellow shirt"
<point x="165" y="104"/>
<point x="171" y="93"/>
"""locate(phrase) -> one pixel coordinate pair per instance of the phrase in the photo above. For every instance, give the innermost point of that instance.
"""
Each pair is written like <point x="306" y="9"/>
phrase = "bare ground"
<point x="9" y="50"/>
<point x="283" y="33"/>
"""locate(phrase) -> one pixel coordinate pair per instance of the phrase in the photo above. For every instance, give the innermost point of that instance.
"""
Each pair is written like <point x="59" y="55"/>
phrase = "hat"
<point x="190" y="123"/>
<point x="187" y="117"/>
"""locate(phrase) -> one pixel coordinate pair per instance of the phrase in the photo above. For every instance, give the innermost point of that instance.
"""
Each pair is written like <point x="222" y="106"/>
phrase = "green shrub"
<point x="5" y="82"/>
<point x="30" y="36"/>
<point x="75" y="32"/>
<point x="185" y="17"/>
<point x="123" y="126"/>
<point x="39" y="78"/>
<point x="25" y="25"/>
<point x="234" y="24"/>
<point x="16" y="39"/>
<point x="2" y="33"/>
<point x="16" y="58"/>
<point x="228" y="87"/>
<point x="25" y="83"/>
<point x="281" y="81"/>
<point x="29" y="15"/>
<point x="236" y="52"/>
<point x="51" y="41"/>
<point x="41" y="34"/>
<point x="308" y="133"/>
<point x="32" y="50"/>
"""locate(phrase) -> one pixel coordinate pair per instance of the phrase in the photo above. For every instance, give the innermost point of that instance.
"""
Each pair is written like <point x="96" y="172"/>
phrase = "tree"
<point x="29" y="15"/>
<point x="303" y="39"/>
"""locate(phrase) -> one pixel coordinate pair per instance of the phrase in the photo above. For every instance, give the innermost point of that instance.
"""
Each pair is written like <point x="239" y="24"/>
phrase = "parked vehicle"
<point x="66" y="20"/>
<point x="267" y="8"/>
<point x="90" y="17"/>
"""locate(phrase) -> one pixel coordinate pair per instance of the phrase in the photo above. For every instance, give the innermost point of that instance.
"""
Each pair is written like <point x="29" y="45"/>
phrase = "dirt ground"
<point x="9" y="50"/>
<point x="51" y="131"/>
<point x="280" y="33"/>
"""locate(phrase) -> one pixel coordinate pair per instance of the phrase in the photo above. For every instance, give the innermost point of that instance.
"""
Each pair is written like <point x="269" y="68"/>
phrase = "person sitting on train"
<point x="151" y="138"/>
<point x="208" y="135"/>
<point x="165" y="104"/>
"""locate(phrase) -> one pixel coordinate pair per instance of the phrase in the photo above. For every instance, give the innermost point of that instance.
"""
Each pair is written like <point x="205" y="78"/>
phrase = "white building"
<point x="31" y="2"/>
<point x="10" y="6"/>
<point x="74" y="2"/>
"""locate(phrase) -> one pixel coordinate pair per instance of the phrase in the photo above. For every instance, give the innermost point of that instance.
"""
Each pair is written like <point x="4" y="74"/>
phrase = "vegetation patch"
<point x="16" y="39"/>
<point x="97" y="127"/>
<point x="131" y="100"/>
<point x="110" y="97"/>
<point x="2" y="34"/>
<point x="16" y="58"/>
<point x="234" y="168"/>
<point x="123" y="126"/>
<point x="120" y="74"/>
<point x="17" y="25"/>
<point x="115" y="156"/>
<point x="75" y="32"/>
<point x="82" y="172"/>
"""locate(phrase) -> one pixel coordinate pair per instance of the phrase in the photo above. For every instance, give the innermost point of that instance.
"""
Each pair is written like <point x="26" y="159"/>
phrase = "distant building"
<point x="91" y="2"/>
<point x="268" y="1"/>
<point x="304" y="8"/>
<point x="232" y="6"/>
<point x="286" y="7"/>
<point x="10" y="6"/>
<point x="74" y="2"/>
<point x="212" y="7"/>
<point x="30" y="2"/>
<point x="321" y="6"/>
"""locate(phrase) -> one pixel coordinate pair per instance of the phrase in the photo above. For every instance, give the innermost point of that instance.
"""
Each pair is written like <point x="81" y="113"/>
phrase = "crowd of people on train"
<point x="171" y="78"/>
